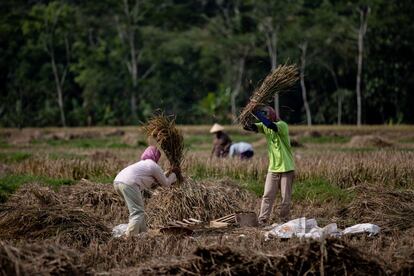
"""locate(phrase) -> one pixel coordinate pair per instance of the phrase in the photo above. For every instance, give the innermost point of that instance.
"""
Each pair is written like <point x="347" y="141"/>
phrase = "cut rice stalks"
<point x="279" y="80"/>
<point x="169" y="138"/>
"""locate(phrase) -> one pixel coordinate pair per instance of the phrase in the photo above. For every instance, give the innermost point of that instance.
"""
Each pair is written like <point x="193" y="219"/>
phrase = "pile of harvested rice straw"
<point x="200" y="200"/>
<point x="331" y="257"/>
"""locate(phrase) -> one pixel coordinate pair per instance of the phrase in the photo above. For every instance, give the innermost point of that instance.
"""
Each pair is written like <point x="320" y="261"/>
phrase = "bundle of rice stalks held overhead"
<point x="279" y="80"/>
<point x="169" y="138"/>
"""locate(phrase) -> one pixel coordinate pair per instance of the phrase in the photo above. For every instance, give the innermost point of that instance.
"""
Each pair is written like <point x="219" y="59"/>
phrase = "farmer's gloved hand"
<point x="251" y="127"/>
<point x="269" y="124"/>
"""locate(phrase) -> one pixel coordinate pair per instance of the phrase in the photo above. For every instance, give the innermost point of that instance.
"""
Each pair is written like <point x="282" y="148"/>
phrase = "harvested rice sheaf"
<point x="331" y="257"/>
<point x="169" y="138"/>
<point x="70" y="226"/>
<point x="389" y="208"/>
<point x="42" y="258"/>
<point x="99" y="198"/>
<point x="34" y="194"/>
<point x="43" y="215"/>
<point x="282" y="79"/>
<point x="200" y="200"/>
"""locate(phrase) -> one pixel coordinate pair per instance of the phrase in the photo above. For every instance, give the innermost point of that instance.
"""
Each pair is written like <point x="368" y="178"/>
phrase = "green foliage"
<point x="214" y="105"/>
<point x="188" y="55"/>
<point x="320" y="191"/>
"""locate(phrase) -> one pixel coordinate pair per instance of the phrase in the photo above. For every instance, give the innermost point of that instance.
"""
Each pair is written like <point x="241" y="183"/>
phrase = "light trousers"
<point x="277" y="182"/>
<point x="133" y="199"/>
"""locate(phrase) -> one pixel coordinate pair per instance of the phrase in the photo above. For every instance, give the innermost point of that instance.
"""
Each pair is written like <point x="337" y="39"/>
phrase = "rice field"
<point x="58" y="205"/>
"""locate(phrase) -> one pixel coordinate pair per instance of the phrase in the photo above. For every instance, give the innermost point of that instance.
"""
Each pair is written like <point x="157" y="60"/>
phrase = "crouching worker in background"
<point x="140" y="176"/>
<point x="221" y="143"/>
<point x="281" y="164"/>
<point x="241" y="149"/>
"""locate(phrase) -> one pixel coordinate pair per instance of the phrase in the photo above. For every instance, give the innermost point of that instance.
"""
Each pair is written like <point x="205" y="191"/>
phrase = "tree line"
<point x="113" y="62"/>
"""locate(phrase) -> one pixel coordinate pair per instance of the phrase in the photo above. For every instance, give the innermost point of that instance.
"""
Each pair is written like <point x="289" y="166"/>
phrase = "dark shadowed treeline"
<point x="113" y="62"/>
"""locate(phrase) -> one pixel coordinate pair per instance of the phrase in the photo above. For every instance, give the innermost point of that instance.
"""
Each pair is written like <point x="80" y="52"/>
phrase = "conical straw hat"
<point x="216" y="128"/>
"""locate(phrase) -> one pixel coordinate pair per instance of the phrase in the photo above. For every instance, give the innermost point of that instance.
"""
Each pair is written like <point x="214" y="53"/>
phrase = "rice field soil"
<point x="58" y="206"/>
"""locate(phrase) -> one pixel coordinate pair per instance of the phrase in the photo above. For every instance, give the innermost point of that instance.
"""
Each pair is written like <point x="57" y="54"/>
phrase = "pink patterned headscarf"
<point x="151" y="153"/>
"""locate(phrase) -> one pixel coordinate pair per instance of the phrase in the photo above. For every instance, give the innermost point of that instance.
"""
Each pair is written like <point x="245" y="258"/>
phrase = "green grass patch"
<point x="248" y="138"/>
<point x="4" y="144"/>
<point x="406" y="140"/>
<point x="320" y="191"/>
<point x="197" y="139"/>
<point x="87" y="143"/>
<point x="325" y="140"/>
<point x="254" y="186"/>
<point x="13" y="157"/>
<point x="102" y="179"/>
<point x="10" y="183"/>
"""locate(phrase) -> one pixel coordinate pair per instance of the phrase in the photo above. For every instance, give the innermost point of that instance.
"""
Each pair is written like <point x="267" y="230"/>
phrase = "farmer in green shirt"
<point x="281" y="165"/>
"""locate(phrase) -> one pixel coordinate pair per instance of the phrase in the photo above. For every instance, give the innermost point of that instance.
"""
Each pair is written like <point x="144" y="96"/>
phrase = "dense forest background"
<point x="113" y="62"/>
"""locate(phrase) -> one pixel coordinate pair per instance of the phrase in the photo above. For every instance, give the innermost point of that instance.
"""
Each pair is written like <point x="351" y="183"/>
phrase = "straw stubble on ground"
<point x="67" y="229"/>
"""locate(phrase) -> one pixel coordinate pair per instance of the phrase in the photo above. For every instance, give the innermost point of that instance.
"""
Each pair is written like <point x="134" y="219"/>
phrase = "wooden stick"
<point x="225" y="217"/>
<point x="228" y="219"/>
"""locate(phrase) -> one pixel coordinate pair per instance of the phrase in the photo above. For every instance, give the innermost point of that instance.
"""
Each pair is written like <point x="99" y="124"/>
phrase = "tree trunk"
<point x="271" y="43"/>
<point x="238" y="84"/>
<point x="363" y="16"/>
<point x="59" y="90"/>
<point x="134" y="77"/>
<point x="339" y="109"/>
<point x="335" y="79"/>
<point x="132" y="63"/>
<point x="303" y="47"/>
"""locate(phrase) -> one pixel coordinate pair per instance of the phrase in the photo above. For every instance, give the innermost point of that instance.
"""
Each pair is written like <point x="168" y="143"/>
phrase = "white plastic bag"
<point x="369" y="228"/>
<point x="291" y="228"/>
<point x="308" y="228"/>
<point x="317" y="232"/>
<point x="119" y="230"/>
<point x="303" y="228"/>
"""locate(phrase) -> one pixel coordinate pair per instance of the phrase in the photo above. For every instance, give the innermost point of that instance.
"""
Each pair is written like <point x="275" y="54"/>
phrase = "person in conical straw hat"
<point x="221" y="143"/>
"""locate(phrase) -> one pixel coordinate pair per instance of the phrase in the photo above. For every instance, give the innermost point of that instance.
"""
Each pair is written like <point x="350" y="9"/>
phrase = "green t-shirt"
<point x="278" y="146"/>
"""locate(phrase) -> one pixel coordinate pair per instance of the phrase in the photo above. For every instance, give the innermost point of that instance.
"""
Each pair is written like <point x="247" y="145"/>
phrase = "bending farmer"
<point x="241" y="149"/>
<point x="281" y="165"/>
<point x="136" y="178"/>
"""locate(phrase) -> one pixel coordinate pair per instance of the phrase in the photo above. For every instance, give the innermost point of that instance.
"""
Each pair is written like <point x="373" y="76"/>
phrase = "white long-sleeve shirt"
<point x="239" y="148"/>
<point x="145" y="173"/>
